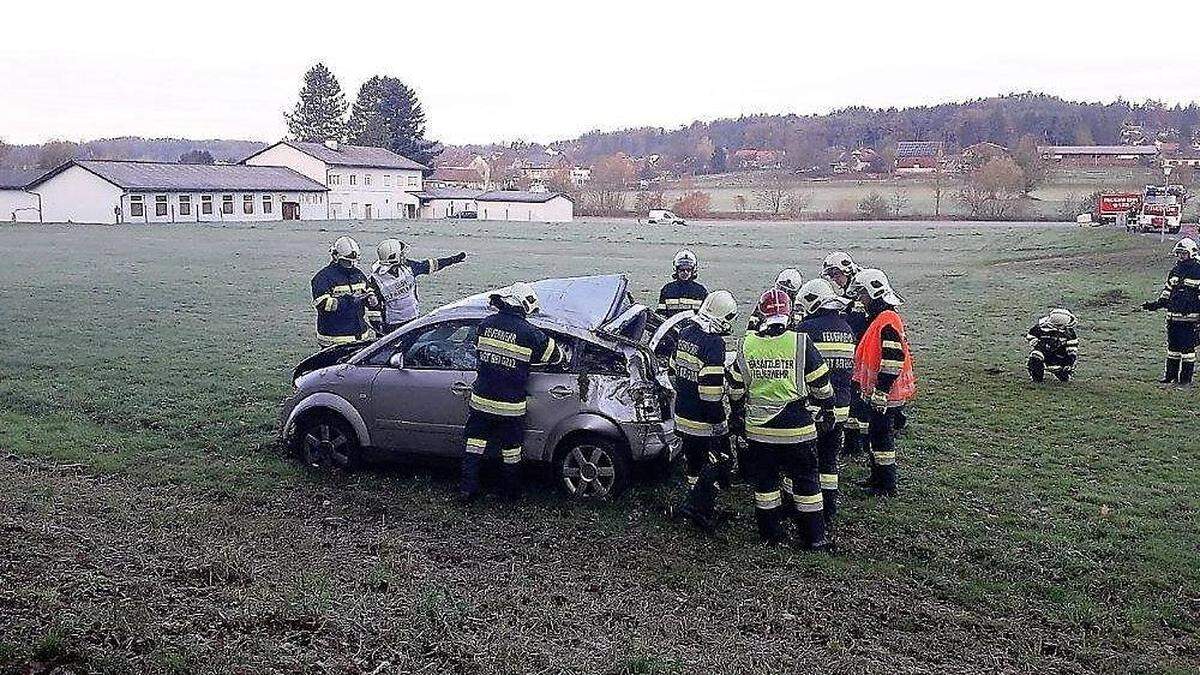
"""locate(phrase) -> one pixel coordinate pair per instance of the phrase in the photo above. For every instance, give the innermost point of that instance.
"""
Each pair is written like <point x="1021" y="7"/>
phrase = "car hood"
<point x="584" y="302"/>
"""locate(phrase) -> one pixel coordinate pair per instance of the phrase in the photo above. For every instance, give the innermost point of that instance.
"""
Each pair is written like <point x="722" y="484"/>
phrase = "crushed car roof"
<point x="585" y="302"/>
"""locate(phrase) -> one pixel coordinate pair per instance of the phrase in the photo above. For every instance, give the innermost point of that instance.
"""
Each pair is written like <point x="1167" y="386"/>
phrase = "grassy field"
<point x="148" y="523"/>
<point x="1058" y="199"/>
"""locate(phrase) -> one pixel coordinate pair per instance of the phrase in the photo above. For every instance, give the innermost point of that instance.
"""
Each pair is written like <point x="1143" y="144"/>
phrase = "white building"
<point x="363" y="182"/>
<point x="119" y="191"/>
<point x="18" y="205"/>
<point x="545" y="207"/>
<point x="449" y="202"/>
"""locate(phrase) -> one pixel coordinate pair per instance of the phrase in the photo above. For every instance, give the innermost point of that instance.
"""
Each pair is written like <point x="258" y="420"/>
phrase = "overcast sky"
<point x="497" y="71"/>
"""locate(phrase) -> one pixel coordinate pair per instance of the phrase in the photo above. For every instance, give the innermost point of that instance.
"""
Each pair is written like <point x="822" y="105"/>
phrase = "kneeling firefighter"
<point x="825" y="324"/>
<point x="884" y="373"/>
<point x="703" y="384"/>
<point x="1053" y="346"/>
<point x="783" y="370"/>
<point x="506" y="346"/>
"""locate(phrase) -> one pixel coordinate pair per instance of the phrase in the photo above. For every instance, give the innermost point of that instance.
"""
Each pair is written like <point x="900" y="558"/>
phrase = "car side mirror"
<point x="396" y="360"/>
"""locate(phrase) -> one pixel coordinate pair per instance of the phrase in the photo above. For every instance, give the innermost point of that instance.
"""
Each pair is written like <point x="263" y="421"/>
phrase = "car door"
<point x="421" y="406"/>
<point x="554" y="395"/>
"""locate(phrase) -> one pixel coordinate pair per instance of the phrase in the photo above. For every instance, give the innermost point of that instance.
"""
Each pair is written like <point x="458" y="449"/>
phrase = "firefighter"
<point x="840" y="269"/>
<point x="783" y="370"/>
<point x="1181" y="298"/>
<point x="1053" y="346"/>
<point x="393" y="281"/>
<point x="883" y="370"/>
<point x="341" y="296"/>
<point x="683" y="292"/>
<point x="824" y="322"/>
<point x="789" y="281"/>
<point x="706" y="392"/>
<point x="507" y="345"/>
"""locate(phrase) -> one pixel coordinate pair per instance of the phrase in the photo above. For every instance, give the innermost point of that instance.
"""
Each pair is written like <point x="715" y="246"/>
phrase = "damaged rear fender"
<point x="590" y="423"/>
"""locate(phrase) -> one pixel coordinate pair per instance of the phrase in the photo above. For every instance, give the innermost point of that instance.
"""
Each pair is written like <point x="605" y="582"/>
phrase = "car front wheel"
<point x="590" y="468"/>
<point x="326" y="441"/>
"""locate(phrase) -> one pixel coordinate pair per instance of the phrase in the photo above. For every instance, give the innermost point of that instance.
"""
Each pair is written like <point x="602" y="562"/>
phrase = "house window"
<point x="320" y="198"/>
<point x="137" y="207"/>
<point x="227" y="204"/>
<point x="353" y="179"/>
<point x="335" y="179"/>
<point x="412" y="181"/>
<point x="366" y="179"/>
<point x="387" y="179"/>
<point x="266" y="203"/>
<point x="160" y="205"/>
<point x="185" y="205"/>
<point x="206" y="205"/>
<point x="247" y="204"/>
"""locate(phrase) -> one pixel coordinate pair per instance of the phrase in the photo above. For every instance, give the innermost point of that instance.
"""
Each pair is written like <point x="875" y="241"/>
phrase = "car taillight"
<point x="645" y="405"/>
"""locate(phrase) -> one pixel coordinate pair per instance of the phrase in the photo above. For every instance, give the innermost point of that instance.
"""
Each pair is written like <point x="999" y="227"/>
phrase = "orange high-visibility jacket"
<point x="870" y="352"/>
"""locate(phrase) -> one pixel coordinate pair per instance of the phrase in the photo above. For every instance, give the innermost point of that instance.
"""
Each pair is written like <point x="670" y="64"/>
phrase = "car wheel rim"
<point x="325" y="444"/>
<point x="588" y="472"/>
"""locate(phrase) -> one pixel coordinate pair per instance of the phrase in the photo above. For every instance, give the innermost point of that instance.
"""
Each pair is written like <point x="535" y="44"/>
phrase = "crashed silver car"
<point x="592" y="417"/>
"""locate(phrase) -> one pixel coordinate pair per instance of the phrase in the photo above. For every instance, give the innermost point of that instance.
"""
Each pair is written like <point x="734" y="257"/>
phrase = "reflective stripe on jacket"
<point x="868" y="359"/>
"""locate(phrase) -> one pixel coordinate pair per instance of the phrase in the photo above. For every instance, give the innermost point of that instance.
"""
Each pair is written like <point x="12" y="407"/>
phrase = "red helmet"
<point x="775" y="304"/>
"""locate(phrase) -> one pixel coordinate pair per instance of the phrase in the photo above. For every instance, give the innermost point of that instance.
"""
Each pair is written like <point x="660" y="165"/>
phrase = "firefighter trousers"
<point x="1181" y="351"/>
<point x="796" y="463"/>
<point x="493" y="435"/>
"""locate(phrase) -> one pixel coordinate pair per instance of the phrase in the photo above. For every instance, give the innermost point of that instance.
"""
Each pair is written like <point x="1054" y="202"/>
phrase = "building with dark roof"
<point x="529" y="205"/>
<point x="120" y="191"/>
<point x="16" y="203"/>
<point x="918" y="156"/>
<point x="364" y="182"/>
<point x="1099" y="155"/>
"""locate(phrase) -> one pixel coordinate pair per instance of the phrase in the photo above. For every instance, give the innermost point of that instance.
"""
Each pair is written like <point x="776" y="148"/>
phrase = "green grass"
<point x="1044" y="527"/>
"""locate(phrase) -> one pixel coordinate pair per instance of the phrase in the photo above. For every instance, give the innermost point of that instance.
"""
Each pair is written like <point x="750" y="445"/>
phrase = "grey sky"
<point x="492" y="71"/>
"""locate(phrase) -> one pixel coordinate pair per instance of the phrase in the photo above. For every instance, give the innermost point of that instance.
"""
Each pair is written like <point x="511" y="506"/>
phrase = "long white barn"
<point x="118" y="191"/>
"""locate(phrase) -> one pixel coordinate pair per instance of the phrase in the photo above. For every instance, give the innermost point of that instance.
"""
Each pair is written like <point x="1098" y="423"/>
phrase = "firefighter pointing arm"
<point x="1180" y="296"/>
<point x="394" y="283"/>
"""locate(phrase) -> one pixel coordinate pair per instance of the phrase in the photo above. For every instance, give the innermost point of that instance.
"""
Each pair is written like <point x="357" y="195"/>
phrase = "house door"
<point x="291" y="211"/>
<point x="367" y="211"/>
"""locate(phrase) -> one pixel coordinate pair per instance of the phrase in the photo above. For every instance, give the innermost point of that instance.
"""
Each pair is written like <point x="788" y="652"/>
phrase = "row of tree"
<point x="815" y="140"/>
<point x="386" y="114"/>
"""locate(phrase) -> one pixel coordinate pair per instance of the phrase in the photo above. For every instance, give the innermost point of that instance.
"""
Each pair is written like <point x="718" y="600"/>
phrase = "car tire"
<point x="325" y="441"/>
<point x="591" y="468"/>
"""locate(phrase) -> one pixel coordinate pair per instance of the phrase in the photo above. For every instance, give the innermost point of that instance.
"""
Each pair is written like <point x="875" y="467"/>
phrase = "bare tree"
<point x="939" y="185"/>
<point x="994" y="190"/>
<point x="774" y="196"/>
<point x="899" y="203"/>
<point x="694" y="204"/>
<point x="799" y="203"/>
<point x="741" y="203"/>
<point x="611" y="175"/>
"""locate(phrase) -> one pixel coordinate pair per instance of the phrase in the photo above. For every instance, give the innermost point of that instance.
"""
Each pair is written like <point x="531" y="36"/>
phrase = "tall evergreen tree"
<point x="388" y="114"/>
<point x="320" y="113"/>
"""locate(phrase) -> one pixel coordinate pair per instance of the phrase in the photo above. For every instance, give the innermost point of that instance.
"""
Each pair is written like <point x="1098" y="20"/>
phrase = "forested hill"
<point x="48" y="155"/>
<point x="806" y="139"/>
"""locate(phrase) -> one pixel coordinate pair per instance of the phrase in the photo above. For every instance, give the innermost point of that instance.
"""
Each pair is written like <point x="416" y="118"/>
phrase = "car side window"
<point x="445" y="346"/>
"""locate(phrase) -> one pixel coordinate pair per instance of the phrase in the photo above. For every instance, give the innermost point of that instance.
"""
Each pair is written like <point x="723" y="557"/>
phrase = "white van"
<point x="664" y="217"/>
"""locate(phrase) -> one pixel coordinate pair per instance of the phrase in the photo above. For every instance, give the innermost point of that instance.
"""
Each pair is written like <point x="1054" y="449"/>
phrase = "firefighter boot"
<point x="852" y="443"/>
<point x="810" y="530"/>
<point x="1186" y="370"/>
<point x="1037" y="370"/>
<point x="1171" y="373"/>
<point x="770" y="524"/>
<point x="884" y="480"/>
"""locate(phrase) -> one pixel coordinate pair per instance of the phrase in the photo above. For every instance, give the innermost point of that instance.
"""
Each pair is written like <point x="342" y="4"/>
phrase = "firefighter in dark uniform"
<point x="883" y="370"/>
<point x="839" y="269"/>
<point x="1181" y="298"/>
<point x="826" y="325"/>
<point x="340" y="295"/>
<point x="702" y="411"/>
<point x="789" y="281"/>
<point x="393" y="282"/>
<point x="506" y="346"/>
<point x="683" y="292"/>
<point x="783" y="371"/>
<point x="1053" y="346"/>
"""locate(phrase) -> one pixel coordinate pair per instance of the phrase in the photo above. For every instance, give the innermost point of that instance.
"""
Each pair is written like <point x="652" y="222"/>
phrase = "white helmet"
<point x="718" y="312"/>
<point x="1061" y="318"/>
<point x="345" y="248"/>
<point x="520" y="296"/>
<point x="789" y="281"/>
<point x="840" y="260"/>
<point x="685" y="259"/>
<point x="876" y="285"/>
<point x="391" y="251"/>
<point x="816" y="294"/>
<point x="1186" y="247"/>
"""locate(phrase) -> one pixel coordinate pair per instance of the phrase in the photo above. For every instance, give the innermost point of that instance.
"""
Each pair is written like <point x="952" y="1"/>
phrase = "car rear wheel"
<point x="326" y="441"/>
<point x="590" y="468"/>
